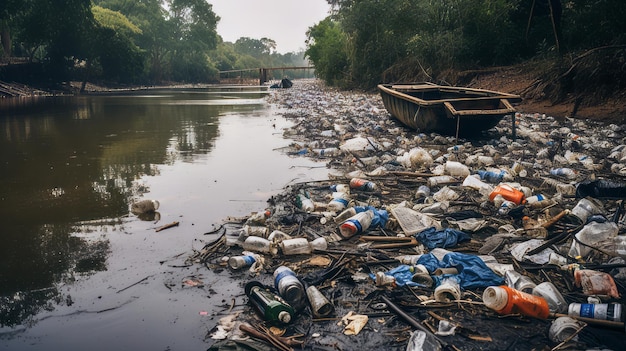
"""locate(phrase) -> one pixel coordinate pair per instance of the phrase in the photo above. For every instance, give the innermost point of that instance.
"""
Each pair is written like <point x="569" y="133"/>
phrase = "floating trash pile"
<point x="423" y="241"/>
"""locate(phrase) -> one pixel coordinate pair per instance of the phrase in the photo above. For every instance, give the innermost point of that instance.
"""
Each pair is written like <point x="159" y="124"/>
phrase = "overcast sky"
<point x="284" y="21"/>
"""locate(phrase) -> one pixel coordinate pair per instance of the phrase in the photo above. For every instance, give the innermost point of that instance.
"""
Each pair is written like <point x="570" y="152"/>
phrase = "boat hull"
<point x="446" y="110"/>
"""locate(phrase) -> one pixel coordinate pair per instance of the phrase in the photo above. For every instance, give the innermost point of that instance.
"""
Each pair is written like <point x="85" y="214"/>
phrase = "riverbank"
<point x="510" y="79"/>
<point x="451" y="223"/>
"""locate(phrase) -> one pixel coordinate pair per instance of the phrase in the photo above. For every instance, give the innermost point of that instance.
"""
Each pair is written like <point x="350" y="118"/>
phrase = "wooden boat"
<point x="448" y="110"/>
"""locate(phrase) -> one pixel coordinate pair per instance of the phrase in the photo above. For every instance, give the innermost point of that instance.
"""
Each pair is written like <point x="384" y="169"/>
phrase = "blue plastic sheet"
<point x="473" y="272"/>
<point x="446" y="238"/>
<point x="402" y="274"/>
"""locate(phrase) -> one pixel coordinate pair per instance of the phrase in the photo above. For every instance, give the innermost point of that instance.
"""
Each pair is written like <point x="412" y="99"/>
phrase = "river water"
<point x="78" y="270"/>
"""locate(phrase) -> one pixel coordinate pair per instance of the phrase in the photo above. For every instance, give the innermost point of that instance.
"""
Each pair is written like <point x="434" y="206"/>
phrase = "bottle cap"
<point x="495" y="297"/>
<point x="348" y="229"/>
<point x="284" y="317"/>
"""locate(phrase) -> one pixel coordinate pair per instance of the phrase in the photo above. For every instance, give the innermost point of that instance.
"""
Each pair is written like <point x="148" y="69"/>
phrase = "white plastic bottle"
<point x="356" y="224"/>
<point x="305" y="203"/>
<point x="238" y="262"/>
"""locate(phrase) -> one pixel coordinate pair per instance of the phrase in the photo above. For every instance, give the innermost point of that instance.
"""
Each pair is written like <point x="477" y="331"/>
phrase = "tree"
<point x="114" y="49"/>
<point x="327" y="49"/>
<point x="9" y="12"/>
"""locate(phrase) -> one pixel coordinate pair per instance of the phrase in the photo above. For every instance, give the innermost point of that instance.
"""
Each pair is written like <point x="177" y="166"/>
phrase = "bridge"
<point x="263" y="72"/>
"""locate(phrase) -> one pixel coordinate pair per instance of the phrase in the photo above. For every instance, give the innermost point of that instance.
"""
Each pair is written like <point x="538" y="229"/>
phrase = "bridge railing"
<point x="263" y="72"/>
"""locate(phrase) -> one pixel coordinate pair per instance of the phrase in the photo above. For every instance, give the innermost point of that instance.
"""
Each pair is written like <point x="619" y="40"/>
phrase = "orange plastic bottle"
<point x="508" y="193"/>
<point x="505" y="300"/>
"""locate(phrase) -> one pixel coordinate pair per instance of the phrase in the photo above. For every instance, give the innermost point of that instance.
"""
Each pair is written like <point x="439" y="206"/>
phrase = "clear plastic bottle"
<point x="491" y="176"/>
<point x="519" y="281"/>
<point x="356" y="224"/>
<point x="553" y="297"/>
<point x="456" y="169"/>
<point x="592" y="234"/>
<point x="437" y="180"/>
<point x="258" y="244"/>
<point x="567" y="173"/>
<point x="144" y="206"/>
<point x="422" y="192"/>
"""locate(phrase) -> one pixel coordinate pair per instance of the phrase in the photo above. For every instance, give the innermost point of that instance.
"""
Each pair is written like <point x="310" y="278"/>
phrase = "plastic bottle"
<point x="602" y="311"/>
<point x="362" y="184"/>
<point x="563" y="328"/>
<point x="443" y="179"/>
<point x="320" y="306"/>
<point x="457" y="169"/>
<point x="505" y="207"/>
<point x="341" y="188"/>
<point x="507" y="192"/>
<point x="567" y="173"/>
<point x="319" y="244"/>
<point x="356" y="224"/>
<point x="258" y="244"/>
<point x="592" y="234"/>
<point x="329" y="151"/>
<point x="408" y="259"/>
<point x="587" y="207"/>
<point x="519" y="281"/>
<point x="422" y="192"/>
<point x="255" y="230"/>
<point x="289" y="287"/>
<point x="492" y="176"/>
<point x="144" y="206"/>
<point x="595" y="282"/>
<point x="555" y="300"/>
<point x="272" y="307"/>
<point x="339" y="202"/>
<point x="448" y="290"/>
<point x="304" y="202"/>
<point x="505" y="300"/>
<point x="296" y="246"/>
<point x="343" y="216"/>
<point x="238" y="262"/>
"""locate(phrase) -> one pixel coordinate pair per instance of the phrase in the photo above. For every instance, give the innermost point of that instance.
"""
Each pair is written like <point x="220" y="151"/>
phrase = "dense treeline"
<point x="365" y="42"/>
<point x="126" y="41"/>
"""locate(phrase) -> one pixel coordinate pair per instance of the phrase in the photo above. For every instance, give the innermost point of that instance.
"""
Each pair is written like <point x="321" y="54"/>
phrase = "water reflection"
<point x="70" y="168"/>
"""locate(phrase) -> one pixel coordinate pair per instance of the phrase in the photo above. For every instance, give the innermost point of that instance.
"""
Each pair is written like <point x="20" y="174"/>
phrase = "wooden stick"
<point x="413" y="242"/>
<point x="257" y="334"/>
<point x="555" y="219"/>
<point x="386" y="238"/>
<point x="167" y="226"/>
<point x="592" y="321"/>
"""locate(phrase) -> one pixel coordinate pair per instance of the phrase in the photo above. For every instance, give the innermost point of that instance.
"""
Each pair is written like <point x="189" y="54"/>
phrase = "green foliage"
<point x="114" y="20"/>
<point x="327" y="50"/>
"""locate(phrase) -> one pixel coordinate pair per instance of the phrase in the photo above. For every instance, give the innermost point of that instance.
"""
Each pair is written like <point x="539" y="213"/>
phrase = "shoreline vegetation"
<point x="518" y="79"/>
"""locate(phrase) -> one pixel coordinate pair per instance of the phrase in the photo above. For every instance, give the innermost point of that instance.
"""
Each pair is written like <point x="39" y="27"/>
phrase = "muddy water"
<point x="77" y="269"/>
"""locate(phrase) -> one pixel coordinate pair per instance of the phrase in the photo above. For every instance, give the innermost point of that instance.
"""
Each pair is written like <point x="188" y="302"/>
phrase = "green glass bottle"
<point x="271" y="306"/>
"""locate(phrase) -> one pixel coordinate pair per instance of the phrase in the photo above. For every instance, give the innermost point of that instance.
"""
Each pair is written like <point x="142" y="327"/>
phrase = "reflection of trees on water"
<point x="76" y="160"/>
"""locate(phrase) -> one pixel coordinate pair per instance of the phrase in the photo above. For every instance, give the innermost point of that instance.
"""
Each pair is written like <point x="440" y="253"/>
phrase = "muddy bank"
<point x="430" y="237"/>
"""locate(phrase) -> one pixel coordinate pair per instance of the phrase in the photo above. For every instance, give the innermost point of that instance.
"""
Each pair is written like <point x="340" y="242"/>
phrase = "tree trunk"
<point x="5" y="38"/>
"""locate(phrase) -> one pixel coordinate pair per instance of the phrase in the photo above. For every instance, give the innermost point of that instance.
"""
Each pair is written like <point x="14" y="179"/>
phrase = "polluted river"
<point x="305" y="218"/>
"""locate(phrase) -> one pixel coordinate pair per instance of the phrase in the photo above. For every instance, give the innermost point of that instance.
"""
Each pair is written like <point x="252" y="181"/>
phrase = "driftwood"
<point x="167" y="226"/>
